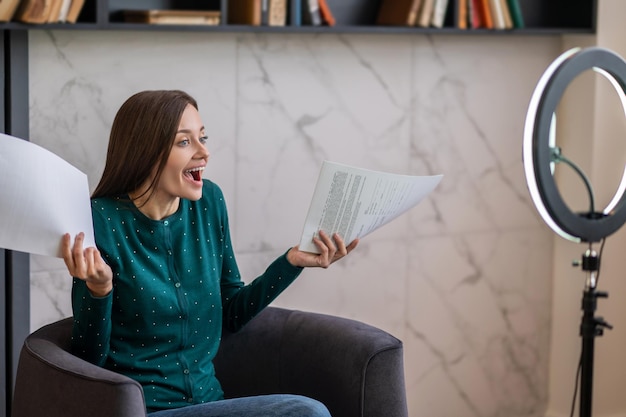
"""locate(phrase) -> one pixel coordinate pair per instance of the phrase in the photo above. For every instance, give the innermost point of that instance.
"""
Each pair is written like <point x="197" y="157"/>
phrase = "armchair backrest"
<point x="354" y="368"/>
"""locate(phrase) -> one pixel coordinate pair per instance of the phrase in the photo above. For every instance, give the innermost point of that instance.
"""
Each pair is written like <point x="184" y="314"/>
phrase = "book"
<point x="475" y="17"/>
<point x="265" y="8"/>
<point x="354" y="201"/>
<point x="33" y="11"/>
<point x="327" y="15"/>
<point x="495" y="8"/>
<point x="277" y="14"/>
<point x="439" y="13"/>
<point x="398" y="12"/>
<point x="311" y="13"/>
<point x="55" y="11"/>
<point x="8" y="9"/>
<point x="295" y="12"/>
<point x="470" y="13"/>
<point x="244" y="12"/>
<point x="516" y="13"/>
<point x="426" y="13"/>
<point x="172" y="17"/>
<point x="508" y="22"/>
<point x="461" y="14"/>
<point x="483" y="14"/>
<point x="74" y="11"/>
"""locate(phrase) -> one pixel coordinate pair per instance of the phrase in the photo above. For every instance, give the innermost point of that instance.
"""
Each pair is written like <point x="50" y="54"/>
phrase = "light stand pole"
<point x="540" y="154"/>
<point x="590" y="327"/>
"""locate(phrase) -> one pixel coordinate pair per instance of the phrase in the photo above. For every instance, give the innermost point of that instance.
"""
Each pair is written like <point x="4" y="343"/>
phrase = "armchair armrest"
<point x="52" y="382"/>
<point x="353" y="368"/>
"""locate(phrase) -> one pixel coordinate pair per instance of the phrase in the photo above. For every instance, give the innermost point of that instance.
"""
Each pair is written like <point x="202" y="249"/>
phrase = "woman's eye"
<point x="183" y="142"/>
<point x="204" y="139"/>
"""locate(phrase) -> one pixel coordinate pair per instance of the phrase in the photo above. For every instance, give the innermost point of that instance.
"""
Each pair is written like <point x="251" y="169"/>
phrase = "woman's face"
<point x="182" y="175"/>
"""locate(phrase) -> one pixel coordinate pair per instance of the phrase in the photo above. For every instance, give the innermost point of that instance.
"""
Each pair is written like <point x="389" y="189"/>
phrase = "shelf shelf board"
<point x="295" y="29"/>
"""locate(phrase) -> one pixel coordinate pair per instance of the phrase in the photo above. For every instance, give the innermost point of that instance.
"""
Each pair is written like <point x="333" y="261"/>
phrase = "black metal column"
<point x="14" y="266"/>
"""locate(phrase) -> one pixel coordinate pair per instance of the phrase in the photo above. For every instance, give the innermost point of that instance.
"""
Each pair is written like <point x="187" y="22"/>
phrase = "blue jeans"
<point x="277" y="405"/>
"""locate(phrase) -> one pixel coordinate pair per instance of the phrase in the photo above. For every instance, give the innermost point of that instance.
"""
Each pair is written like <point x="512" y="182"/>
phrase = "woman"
<point x="150" y="301"/>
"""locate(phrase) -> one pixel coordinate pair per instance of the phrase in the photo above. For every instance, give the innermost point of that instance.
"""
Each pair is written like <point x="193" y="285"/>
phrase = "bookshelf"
<point x="541" y="17"/>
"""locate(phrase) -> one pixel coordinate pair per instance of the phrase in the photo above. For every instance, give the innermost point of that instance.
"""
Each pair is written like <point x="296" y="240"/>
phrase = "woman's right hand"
<point x="87" y="264"/>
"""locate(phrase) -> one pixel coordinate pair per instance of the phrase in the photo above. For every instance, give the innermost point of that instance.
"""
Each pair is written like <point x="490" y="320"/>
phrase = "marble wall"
<point x="464" y="279"/>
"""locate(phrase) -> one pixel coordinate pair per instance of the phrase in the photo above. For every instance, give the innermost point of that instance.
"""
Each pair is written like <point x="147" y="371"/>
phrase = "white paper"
<point x="355" y="201"/>
<point x="42" y="197"/>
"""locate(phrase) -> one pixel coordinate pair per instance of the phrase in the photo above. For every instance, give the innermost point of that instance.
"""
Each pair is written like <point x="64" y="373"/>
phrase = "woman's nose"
<point x="202" y="151"/>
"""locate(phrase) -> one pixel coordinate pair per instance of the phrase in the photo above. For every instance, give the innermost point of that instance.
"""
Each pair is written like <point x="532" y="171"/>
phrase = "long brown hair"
<point x="141" y="139"/>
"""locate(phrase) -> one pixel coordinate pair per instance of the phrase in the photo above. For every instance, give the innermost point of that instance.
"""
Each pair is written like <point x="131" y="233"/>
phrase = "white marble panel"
<point x="471" y="100"/>
<point x="477" y="341"/>
<point x="50" y="291"/>
<point x="303" y="99"/>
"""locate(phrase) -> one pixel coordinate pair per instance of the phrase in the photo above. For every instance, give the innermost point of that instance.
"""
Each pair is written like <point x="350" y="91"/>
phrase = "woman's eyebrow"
<point x="188" y="130"/>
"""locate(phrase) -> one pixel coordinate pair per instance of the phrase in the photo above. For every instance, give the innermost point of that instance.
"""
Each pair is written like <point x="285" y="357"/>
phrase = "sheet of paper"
<point x="354" y="201"/>
<point x="41" y="198"/>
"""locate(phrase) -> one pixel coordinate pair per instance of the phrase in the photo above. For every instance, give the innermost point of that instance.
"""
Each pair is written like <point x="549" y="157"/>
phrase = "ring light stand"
<point x="539" y="156"/>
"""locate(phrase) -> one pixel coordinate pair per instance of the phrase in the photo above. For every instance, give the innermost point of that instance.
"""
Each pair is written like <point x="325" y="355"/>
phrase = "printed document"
<point x="42" y="197"/>
<point x="355" y="201"/>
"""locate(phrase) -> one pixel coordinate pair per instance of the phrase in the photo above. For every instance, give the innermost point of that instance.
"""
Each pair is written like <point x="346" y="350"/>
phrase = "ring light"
<point x="539" y="136"/>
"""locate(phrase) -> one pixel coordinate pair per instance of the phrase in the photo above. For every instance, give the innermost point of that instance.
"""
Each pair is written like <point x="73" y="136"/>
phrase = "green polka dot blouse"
<point x="175" y="284"/>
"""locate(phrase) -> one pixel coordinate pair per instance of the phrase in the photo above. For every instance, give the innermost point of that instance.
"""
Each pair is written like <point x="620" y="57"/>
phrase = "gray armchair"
<point x="353" y="368"/>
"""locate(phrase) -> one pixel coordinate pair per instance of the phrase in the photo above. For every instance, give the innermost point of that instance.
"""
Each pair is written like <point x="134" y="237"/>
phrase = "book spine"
<point x="471" y="12"/>
<point x="277" y="12"/>
<point x="8" y="8"/>
<point x="508" y="22"/>
<point x="314" y="12"/>
<point x="516" y="13"/>
<point x="476" y="18"/>
<point x="326" y="14"/>
<point x="295" y="9"/>
<point x="461" y="13"/>
<point x="485" y="12"/>
<point x="411" y="19"/>
<point x="497" y="15"/>
<point x="426" y="13"/>
<point x="265" y="12"/>
<point x="439" y="13"/>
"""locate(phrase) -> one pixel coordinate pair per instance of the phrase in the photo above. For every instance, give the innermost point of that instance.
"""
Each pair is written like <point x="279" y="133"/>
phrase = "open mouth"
<point x="195" y="173"/>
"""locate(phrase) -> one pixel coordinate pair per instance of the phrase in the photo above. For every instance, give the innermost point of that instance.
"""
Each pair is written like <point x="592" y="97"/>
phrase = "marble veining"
<point x="463" y="279"/>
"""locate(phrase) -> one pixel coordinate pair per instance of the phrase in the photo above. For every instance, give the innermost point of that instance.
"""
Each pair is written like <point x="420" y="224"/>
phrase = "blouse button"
<point x="166" y="222"/>
<point x="177" y="285"/>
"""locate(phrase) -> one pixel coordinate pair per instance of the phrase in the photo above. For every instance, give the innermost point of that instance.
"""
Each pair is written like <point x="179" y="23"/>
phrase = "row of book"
<point x="258" y="12"/>
<point x="461" y="14"/>
<point x="40" y="11"/>
<point x="489" y="14"/>
<point x="240" y="12"/>
<point x="280" y="12"/>
<point x="464" y="14"/>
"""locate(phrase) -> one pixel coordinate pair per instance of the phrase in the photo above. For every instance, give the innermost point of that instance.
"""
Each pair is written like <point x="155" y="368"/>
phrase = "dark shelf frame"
<point x="542" y="17"/>
<point x="14" y="266"/>
<point x="379" y="30"/>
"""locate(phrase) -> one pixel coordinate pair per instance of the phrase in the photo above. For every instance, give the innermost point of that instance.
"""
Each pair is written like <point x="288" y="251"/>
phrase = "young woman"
<point x="150" y="301"/>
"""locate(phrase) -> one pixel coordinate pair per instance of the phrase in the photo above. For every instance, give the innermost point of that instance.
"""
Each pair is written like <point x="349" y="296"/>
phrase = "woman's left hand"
<point x="331" y="250"/>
